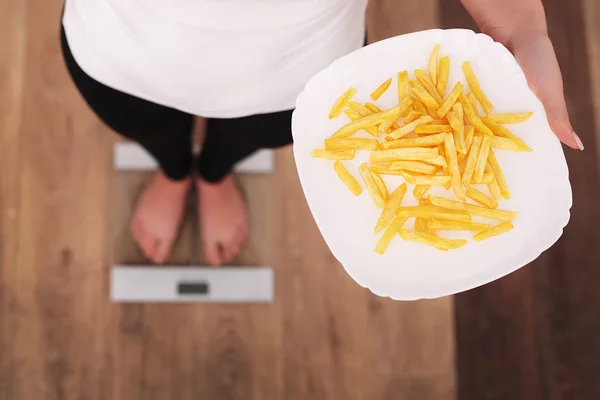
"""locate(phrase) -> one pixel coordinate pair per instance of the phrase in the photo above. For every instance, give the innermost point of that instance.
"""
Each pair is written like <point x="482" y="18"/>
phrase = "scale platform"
<point x="147" y="284"/>
<point x="130" y="156"/>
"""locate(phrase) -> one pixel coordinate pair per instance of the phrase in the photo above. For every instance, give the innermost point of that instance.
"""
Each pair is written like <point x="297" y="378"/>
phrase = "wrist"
<point x="525" y="35"/>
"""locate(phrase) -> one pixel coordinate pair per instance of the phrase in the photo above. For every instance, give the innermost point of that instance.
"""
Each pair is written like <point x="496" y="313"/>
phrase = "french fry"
<point x="476" y="88"/>
<point x="490" y="213"/>
<point x="442" y="81"/>
<point x="424" y="201"/>
<point x="347" y="178"/>
<point x="340" y="102"/>
<point x="425" y="97"/>
<point x="453" y="170"/>
<point x="448" y="204"/>
<point x="435" y="180"/>
<point x="354" y="126"/>
<point x="403" y="86"/>
<point x="469" y="132"/>
<point x="505" y="144"/>
<point x="461" y="161"/>
<point x="385" y="126"/>
<point x="434" y="64"/>
<point x="413" y="166"/>
<point x="487" y="179"/>
<point x="419" y="106"/>
<point x="469" y="112"/>
<point x="411" y="116"/>
<point x="437" y="242"/>
<point x="381" y="89"/>
<point x="431" y="212"/>
<point x="473" y="100"/>
<point x="471" y="160"/>
<point x="499" y="130"/>
<point x="429" y="129"/>
<point x="383" y="191"/>
<point x="387" y="171"/>
<point x="440" y="161"/>
<point x="334" y="155"/>
<point x="408" y="128"/>
<point x="371" y="185"/>
<point x="389" y="211"/>
<point x="444" y="165"/>
<point x="351" y="143"/>
<point x="420" y="190"/>
<point x="504" y="189"/>
<point x="450" y="100"/>
<point x="516" y="118"/>
<point x="458" y="127"/>
<point x="458" y="111"/>
<point x="456" y="226"/>
<point x="494" y="231"/>
<point x="421" y="225"/>
<point x="430" y="231"/>
<point x="484" y="151"/>
<point x="373" y="108"/>
<point x="388" y="235"/>
<point x="359" y="108"/>
<point x="428" y="84"/>
<point x="407" y="154"/>
<point x="481" y="198"/>
<point x="494" y="187"/>
<point x="354" y="115"/>
<point x="425" y="141"/>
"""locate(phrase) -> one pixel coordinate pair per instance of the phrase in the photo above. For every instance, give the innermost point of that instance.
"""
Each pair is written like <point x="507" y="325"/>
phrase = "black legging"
<point x="166" y="133"/>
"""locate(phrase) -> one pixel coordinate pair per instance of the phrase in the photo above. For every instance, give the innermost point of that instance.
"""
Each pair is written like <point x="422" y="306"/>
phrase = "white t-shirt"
<point x="214" y="58"/>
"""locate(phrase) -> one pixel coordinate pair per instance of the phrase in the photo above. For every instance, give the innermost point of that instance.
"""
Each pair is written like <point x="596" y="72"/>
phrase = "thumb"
<point x="537" y="58"/>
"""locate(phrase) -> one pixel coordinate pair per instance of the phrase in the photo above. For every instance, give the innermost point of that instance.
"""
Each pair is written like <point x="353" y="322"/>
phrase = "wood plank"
<point x="341" y="341"/>
<point x="62" y="229"/>
<point x="12" y="78"/>
<point x="533" y="328"/>
<point x="567" y="298"/>
<point x="592" y="28"/>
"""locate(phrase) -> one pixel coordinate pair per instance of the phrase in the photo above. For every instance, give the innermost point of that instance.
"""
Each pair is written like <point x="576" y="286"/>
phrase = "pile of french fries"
<point x="429" y="139"/>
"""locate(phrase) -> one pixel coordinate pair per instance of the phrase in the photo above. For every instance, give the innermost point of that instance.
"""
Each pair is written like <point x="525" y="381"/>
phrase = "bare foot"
<point x="222" y="219"/>
<point x="158" y="215"/>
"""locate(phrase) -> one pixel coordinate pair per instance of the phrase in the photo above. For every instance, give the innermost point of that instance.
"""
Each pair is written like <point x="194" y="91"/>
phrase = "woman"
<point x="146" y="67"/>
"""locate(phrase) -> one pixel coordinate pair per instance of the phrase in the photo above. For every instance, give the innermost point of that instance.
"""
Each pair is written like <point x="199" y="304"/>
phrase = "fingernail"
<point x="578" y="141"/>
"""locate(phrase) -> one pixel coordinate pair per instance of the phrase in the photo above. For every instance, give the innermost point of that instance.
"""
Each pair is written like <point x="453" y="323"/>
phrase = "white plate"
<point x="538" y="180"/>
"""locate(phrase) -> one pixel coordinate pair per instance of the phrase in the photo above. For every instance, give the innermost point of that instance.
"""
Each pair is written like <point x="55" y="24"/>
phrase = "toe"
<point x="213" y="254"/>
<point x="146" y="242"/>
<point x="161" y="251"/>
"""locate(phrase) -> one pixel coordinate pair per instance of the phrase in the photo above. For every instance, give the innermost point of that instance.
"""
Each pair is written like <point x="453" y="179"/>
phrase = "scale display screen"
<point x="193" y="288"/>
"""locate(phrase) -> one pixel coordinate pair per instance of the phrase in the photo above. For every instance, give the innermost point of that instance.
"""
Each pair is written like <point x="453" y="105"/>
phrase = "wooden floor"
<point x="63" y="218"/>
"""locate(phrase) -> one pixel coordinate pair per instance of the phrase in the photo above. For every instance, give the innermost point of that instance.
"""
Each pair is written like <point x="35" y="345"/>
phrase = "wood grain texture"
<point x="591" y="12"/>
<point x="12" y="78"/>
<point x="62" y="228"/>
<point x="530" y="335"/>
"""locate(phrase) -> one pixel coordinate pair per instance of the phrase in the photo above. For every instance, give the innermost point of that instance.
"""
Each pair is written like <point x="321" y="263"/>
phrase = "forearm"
<point x="506" y="20"/>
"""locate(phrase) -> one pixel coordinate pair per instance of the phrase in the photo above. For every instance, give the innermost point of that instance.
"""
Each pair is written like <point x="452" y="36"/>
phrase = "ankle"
<point x="202" y="184"/>
<point x="180" y="183"/>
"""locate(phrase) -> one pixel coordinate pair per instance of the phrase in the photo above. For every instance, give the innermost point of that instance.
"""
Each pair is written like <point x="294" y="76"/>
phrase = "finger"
<point x="538" y="60"/>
